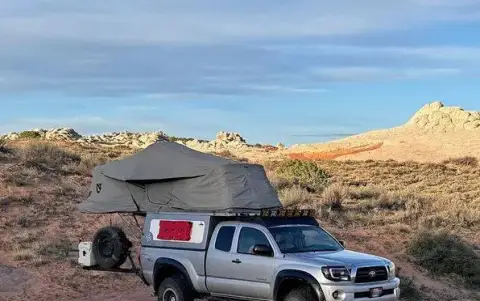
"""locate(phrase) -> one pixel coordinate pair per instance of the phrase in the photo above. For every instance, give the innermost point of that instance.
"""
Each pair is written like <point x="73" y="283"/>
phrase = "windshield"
<point x="297" y="239"/>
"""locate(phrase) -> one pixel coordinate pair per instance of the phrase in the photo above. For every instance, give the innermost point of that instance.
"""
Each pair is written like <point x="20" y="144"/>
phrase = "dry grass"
<point x="41" y="185"/>
<point x="333" y="196"/>
<point x="47" y="156"/>
<point x="229" y="155"/>
<point x="294" y="196"/>
<point x="416" y="193"/>
<point x="463" y="161"/>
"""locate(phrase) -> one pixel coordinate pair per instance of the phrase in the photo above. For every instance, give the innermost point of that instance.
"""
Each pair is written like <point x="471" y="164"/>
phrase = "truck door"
<point x="219" y="261"/>
<point x="251" y="275"/>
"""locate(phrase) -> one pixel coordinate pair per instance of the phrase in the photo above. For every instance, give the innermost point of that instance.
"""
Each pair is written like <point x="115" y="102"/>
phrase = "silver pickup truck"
<point x="257" y="257"/>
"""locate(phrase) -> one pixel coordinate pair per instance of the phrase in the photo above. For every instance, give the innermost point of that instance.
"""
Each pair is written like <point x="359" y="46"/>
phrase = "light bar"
<point x="288" y="212"/>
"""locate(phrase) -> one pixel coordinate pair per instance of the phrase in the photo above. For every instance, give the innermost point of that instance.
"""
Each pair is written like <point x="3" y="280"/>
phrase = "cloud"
<point x="192" y="21"/>
<point x="376" y="73"/>
<point x="191" y="49"/>
<point x="440" y="53"/>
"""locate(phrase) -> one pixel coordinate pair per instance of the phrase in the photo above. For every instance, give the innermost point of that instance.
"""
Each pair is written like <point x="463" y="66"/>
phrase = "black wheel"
<point x="175" y="288"/>
<point x="110" y="247"/>
<point x="302" y="293"/>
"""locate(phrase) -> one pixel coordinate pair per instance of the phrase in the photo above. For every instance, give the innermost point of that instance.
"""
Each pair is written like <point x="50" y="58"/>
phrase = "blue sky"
<point x="273" y="70"/>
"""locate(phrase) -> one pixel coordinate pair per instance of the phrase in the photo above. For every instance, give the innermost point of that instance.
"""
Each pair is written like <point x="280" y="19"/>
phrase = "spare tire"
<point x="110" y="247"/>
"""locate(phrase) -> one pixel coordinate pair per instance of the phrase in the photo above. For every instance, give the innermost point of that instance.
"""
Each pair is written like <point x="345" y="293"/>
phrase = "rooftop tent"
<point x="169" y="176"/>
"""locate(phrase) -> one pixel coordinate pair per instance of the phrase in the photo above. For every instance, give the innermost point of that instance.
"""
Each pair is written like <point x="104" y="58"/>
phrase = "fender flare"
<point x="169" y="263"/>
<point x="297" y="275"/>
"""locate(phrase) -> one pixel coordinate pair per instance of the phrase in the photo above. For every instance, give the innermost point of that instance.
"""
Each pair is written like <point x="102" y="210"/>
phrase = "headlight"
<point x="391" y="269"/>
<point x="336" y="273"/>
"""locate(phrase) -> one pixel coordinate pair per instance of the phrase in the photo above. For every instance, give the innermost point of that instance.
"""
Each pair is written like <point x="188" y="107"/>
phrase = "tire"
<point x="302" y="293"/>
<point x="175" y="288"/>
<point x="110" y="247"/>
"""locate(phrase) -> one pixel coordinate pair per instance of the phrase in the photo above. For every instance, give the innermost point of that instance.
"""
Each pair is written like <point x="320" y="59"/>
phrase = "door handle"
<point x="237" y="261"/>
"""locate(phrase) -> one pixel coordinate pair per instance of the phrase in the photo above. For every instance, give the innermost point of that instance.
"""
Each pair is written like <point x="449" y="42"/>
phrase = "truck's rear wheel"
<point x="110" y="247"/>
<point x="175" y="288"/>
<point x="302" y="293"/>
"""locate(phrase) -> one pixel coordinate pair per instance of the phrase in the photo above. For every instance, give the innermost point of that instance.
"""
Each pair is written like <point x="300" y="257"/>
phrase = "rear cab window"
<point x="225" y="238"/>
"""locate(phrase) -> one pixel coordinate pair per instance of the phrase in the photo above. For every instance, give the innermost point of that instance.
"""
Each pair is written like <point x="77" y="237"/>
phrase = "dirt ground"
<point x="27" y="284"/>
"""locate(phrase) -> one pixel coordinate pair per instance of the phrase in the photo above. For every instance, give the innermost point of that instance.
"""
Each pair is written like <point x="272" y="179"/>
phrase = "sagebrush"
<point x="304" y="173"/>
<point x="445" y="254"/>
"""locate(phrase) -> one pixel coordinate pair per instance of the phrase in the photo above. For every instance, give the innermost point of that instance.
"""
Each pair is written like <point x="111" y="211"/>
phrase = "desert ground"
<point x="411" y="194"/>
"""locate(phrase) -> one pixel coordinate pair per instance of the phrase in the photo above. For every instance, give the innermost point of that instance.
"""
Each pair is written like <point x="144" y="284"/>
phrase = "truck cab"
<point x="257" y="257"/>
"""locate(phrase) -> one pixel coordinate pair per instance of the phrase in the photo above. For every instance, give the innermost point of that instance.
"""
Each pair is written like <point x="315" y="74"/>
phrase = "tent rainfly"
<point x="168" y="176"/>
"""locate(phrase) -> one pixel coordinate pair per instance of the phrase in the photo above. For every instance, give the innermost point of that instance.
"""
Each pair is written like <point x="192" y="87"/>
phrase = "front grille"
<point x="367" y="294"/>
<point x="365" y="275"/>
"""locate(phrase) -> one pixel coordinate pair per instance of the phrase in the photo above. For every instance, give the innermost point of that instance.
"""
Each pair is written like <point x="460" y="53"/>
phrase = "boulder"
<point x="230" y="137"/>
<point x="67" y="134"/>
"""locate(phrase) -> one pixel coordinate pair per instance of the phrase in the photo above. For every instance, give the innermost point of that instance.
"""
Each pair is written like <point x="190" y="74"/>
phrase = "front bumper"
<point x="350" y="289"/>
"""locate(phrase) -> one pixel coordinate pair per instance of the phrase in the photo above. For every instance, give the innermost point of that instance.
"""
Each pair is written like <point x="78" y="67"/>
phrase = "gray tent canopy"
<point x="168" y="176"/>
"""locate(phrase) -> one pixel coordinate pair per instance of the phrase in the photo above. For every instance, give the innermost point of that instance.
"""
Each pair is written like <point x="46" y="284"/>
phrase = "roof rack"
<point x="271" y="213"/>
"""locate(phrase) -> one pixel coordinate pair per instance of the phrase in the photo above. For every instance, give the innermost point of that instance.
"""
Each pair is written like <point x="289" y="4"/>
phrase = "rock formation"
<point x="223" y="140"/>
<point x="65" y="134"/>
<point x="436" y="117"/>
<point x="134" y="140"/>
<point x="434" y="133"/>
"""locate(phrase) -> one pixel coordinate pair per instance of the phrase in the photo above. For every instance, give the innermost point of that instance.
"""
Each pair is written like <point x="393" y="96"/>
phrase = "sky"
<point x="273" y="70"/>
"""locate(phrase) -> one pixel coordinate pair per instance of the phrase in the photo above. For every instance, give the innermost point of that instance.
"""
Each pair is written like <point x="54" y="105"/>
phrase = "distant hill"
<point x="434" y="133"/>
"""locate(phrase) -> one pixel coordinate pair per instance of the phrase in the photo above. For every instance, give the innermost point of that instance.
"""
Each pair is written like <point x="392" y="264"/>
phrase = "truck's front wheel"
<point x="175" y="288"/>
<point x="302" y="293"/>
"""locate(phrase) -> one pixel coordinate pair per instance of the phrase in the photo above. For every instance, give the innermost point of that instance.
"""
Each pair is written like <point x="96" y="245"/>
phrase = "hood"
<point x="344" y="258"/>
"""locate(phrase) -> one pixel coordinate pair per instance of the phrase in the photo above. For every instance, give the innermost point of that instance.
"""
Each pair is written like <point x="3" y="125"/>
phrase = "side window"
<point x="249" y="237"/>
<point x="225" y="238"/>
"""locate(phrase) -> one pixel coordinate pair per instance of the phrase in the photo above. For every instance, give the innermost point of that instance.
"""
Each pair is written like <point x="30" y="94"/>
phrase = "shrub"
<point x="5" y="151"/>
<point x="44" y="155"/>
<point x="271" y="165"/>
<point x="279" y="183"/>
<point x="29" y="135"/>
<point x="24" y="222"/>
<point x="23" y="255"/>
<point x="183" y="139"/>
<point x="294" y="196"/>
<point x="364" y="192"/>
<point x="25" y="199"/>
<point x="408" y="290"/>
<point x="391" y="201"/>
<point x="58" y="249"/>
<point x="333" y="196"/>
<point x="87" y="164"/>
<point x="445" y="254"/>
<point x="463" y="161"/>
<point x="304" y="173"/>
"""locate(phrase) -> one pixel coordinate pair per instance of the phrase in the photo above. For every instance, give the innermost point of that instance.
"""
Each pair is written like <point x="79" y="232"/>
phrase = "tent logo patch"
<point x="99" y="187"/>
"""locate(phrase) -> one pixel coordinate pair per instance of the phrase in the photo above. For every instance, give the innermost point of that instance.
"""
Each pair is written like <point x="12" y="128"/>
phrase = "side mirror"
<point x="342" y="242"/>
<point x="262" y="250"/>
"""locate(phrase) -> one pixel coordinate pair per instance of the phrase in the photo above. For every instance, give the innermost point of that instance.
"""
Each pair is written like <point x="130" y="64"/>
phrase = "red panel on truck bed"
<point x="175" y="230"/>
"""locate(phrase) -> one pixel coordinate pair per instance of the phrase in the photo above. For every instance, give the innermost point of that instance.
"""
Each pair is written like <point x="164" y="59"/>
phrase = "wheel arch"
<point x="166" y="267"/>
<point x="295" y="276"/>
